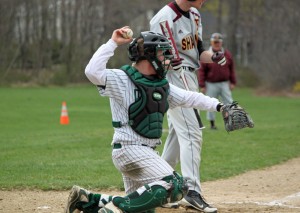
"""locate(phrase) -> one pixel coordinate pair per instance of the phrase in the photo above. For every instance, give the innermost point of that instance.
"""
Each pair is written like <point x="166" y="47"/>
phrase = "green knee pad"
<point x="179" y="187"/>
<point x="151" y="198"/>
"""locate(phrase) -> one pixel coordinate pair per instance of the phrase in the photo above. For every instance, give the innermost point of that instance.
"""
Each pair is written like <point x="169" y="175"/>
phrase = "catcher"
<point x="139" y="97"/>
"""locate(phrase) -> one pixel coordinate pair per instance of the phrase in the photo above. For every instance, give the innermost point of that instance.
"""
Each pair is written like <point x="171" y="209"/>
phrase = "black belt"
<point x="119" y="146"/>
<point x="191" y="69"/>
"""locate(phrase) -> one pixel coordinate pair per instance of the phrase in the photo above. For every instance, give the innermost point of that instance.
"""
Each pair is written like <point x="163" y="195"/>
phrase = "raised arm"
<point x="95" y="70"/>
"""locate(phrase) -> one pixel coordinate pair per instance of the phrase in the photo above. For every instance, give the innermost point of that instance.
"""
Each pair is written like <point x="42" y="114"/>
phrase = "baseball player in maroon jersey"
<point x="184" y="140"/>
<point x="139" y="97"/>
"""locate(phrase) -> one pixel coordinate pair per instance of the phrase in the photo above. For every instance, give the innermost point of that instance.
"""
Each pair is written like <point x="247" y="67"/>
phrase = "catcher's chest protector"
<point x="147" y="112"/>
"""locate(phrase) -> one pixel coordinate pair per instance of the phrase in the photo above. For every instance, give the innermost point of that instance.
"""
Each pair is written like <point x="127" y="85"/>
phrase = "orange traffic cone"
<point x="64" y="118"/>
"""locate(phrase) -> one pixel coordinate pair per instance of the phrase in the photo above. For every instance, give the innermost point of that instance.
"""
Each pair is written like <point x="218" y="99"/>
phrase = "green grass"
<point x="37" y="152"/>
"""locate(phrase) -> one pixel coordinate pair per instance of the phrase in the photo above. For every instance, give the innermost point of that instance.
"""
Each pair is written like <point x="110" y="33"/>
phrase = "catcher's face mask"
<point x="163" y="57"/>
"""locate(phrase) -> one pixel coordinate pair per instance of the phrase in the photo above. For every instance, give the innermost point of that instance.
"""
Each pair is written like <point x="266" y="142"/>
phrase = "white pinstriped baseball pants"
<point x="140" y="165"/>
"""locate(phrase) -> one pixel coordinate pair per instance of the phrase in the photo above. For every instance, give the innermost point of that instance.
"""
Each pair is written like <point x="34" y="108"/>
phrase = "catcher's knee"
<point x="178" y="189"/>
<point x="153" y="196"/>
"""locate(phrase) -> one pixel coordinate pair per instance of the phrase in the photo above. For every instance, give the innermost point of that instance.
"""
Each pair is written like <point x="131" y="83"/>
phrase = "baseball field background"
<point x="36" y="152"/>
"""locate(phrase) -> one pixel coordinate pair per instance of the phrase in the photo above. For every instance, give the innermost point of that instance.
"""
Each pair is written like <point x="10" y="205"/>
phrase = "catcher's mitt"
<point x="235" y="117"/>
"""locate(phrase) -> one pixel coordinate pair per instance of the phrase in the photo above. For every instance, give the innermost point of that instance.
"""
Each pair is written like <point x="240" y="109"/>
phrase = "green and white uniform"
<point x="133" y="154"/>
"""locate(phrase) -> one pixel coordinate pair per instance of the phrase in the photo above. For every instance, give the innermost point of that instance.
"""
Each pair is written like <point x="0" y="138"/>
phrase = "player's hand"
<point x="117" y="36"/>
<point x="176" y="63"/>
<point x="219" y="58"/>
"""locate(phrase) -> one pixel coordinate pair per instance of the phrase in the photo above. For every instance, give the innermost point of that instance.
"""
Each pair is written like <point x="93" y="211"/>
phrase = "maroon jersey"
<point x="213" y="72"/>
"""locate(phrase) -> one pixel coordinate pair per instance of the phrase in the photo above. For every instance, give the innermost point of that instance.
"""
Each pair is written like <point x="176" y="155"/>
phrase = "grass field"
<point x="37" y="152"/>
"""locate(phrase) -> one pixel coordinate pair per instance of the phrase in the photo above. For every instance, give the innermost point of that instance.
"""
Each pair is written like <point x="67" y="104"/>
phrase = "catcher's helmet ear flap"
<point x="132" y="50"/>
<point x="136" y="49"/>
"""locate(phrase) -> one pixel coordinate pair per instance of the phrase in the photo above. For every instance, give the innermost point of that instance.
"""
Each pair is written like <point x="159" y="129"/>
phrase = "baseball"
<point x="127" y="34"/>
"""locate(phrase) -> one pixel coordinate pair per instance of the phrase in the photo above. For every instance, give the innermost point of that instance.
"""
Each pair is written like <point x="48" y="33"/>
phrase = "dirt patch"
<point x="274" y="189"/>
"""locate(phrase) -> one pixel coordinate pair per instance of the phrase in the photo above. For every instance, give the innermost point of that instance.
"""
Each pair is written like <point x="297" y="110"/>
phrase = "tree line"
<point x="51" y="41"/>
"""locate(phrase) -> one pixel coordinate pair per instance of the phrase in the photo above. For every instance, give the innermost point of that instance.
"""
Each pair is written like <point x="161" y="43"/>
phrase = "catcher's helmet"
<point x="145" y="47"/>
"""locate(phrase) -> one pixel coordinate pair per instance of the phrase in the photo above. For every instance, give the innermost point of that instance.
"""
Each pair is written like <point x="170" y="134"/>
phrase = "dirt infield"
<point x="274" y="189"/>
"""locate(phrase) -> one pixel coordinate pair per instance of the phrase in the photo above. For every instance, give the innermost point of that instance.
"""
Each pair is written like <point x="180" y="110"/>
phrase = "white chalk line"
<point x="274" y="202"/>
<point x="44" y="207"/>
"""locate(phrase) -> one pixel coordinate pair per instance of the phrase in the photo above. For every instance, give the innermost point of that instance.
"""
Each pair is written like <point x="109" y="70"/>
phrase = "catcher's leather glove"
<point x="235" y="117"/>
